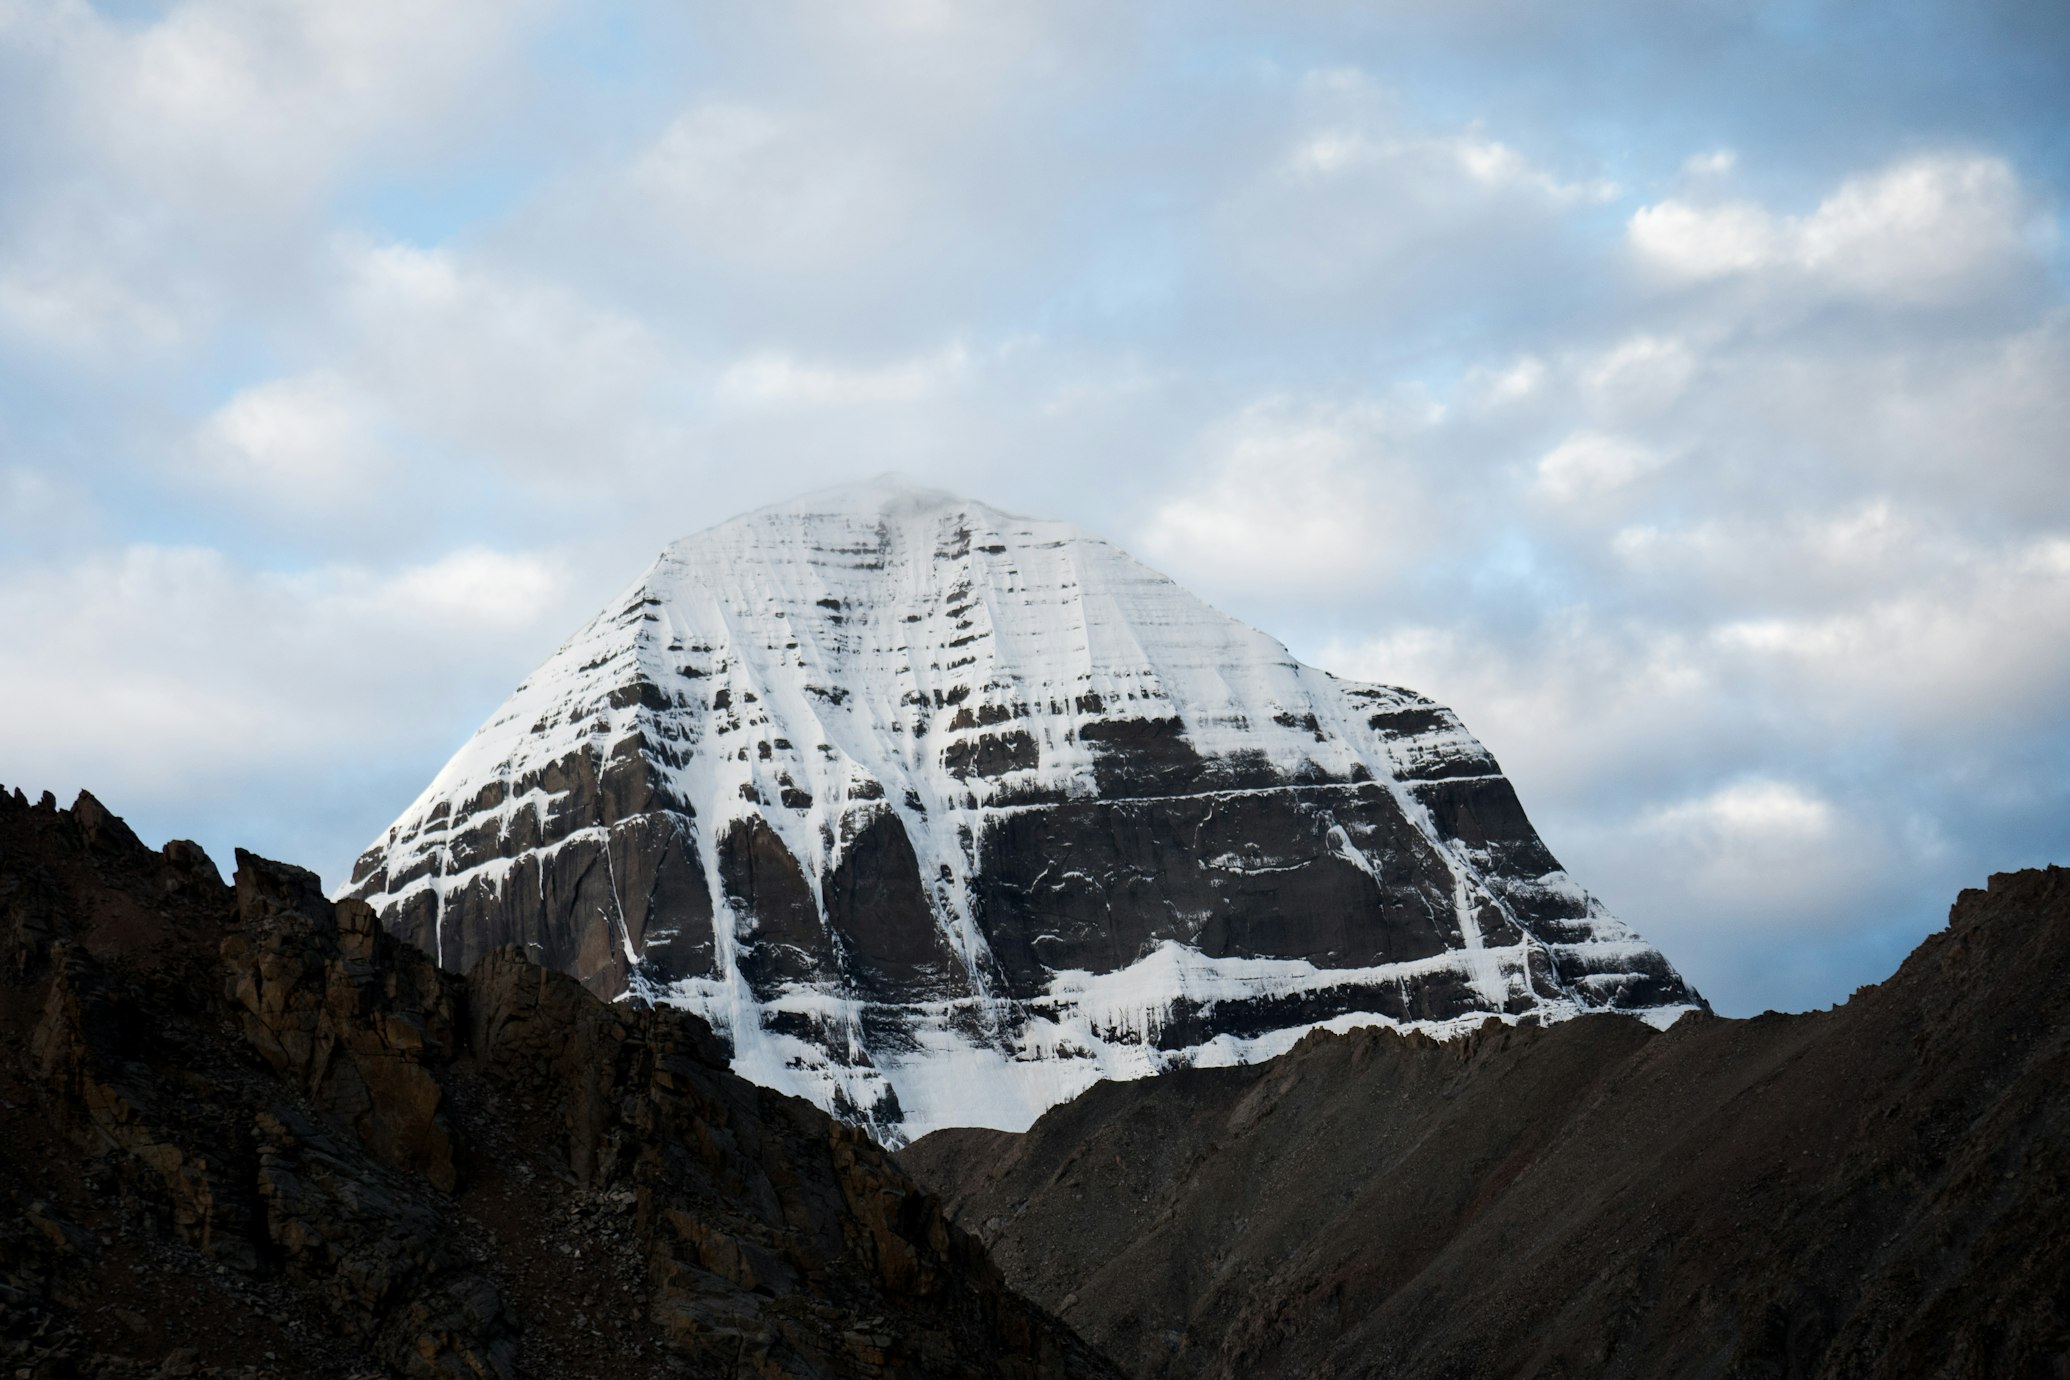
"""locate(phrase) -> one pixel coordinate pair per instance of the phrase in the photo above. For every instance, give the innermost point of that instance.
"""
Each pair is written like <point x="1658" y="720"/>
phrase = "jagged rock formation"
<point x="939" y="815"/>
<point x="1876" y="1191"/>
<point x="250" y="1133"/>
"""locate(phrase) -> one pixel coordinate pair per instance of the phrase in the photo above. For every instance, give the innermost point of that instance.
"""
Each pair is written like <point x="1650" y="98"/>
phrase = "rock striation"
<point x="244" y="1131"/>
<point x="939" y="815"/>
<point x="1877" y="1192"/>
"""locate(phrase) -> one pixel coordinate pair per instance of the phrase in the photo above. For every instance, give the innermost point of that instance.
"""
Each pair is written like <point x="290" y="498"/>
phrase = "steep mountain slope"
<point x="1880" y="1190"/>
<point x="248" y="1133"/>
<point x="939" y="815"/>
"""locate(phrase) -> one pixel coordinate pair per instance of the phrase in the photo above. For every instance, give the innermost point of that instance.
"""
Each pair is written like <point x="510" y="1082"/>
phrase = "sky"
<point x="1678" y="389"/>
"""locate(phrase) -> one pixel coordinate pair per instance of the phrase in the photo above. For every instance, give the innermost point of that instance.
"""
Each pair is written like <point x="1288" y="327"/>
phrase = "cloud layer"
<point x="1679" y="394"/>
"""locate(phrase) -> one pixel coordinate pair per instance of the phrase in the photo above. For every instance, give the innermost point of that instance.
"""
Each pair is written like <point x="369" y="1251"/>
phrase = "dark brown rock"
<point x="249" y="1128"/>
<point x="877" y="905"/>
<point x="785" y="940"/>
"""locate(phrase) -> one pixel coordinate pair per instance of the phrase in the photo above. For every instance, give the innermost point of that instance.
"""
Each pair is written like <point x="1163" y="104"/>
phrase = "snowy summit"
<point x="939" y="815"/>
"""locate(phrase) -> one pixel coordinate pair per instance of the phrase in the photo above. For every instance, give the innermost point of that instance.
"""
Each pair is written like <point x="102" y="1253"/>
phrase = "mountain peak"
<point x="939" y="814"/>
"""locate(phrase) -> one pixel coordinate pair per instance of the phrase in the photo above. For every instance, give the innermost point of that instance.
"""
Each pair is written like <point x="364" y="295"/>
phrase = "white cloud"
<point x="155" y="672"/>
<point x="442" y="355"/>
<point x="1500" y="387"/>
<point x="1357" y="129"/>
<point x="231" y="105"/>
<point x="502" y="366"/>
<point x="1925" y="230"/>
<point x="305" y="439"/>
<point x="1705" y="242"/>
<point x="1868" y="548"/>
<point x="60" y="295"/>
<point x="1772" y="845"/>
<point x="1921" y="230"/>
<point x="767" y="190"/>
<point x="183" y="160"/>
<point x="1293" y="496"/>
<point x="1758" y="813"/>
<point x="777" y="378"/>
<point x="1765" y="853"/>
<point x="1590" y="465"/>
<point x="1468" y="156"/>
<point x="1640" y="375"/>
<point x="1363" y="199"/>
<point x="1989" y="631"/>
<point x="465" y="591"/>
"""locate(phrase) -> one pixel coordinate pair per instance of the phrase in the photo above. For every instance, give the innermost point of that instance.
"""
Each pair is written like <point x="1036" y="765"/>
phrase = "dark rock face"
<point x="877" y="912"/>
<point x="1875" y="1191"/>
<point x="786" y="943"/>
<point x="245" y="1131"/>
<point x="1094" y="884"/>
<point x="607" y="868"/>
<point x="884" y="785"/>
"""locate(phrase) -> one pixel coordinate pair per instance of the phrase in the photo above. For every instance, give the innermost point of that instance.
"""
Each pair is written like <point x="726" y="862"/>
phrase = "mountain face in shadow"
<point x="1879" y="1190"/>
<point x="244" y="1131"/>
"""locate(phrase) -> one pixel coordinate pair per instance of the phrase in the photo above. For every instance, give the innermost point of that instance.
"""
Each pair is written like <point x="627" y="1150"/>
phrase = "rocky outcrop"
<point x="243" y="1130"/>
<point x="939" y="815"/>
<point x="1873" y="1191"/>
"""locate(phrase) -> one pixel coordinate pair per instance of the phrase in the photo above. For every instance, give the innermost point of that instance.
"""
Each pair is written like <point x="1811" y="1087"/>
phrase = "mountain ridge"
<point x="246" y="1133"/>
<point x="1874" y="1191"/>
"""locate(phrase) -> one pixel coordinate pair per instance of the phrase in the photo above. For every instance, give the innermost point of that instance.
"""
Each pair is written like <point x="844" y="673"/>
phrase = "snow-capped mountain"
<point x="939" y="815"/>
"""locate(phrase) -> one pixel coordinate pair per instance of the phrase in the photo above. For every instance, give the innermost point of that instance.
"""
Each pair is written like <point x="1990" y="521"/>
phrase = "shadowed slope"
<point x="251" y="1129"/>
<point x="1878" y="1190"/>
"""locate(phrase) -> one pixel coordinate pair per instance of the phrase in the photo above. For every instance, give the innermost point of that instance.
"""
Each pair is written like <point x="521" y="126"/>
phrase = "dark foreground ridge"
<point x="247" y="1132"/>
<point x="1881" y="1190"/>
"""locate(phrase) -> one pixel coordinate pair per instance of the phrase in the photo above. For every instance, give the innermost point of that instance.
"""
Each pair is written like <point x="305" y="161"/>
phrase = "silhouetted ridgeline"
<point x="243" y="1131"/>
<point x="246" y="1132"/>
<point x="1874" y="1191"/>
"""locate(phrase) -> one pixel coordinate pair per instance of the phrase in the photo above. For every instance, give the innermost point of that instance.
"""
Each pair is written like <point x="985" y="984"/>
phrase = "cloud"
<point x="1496" y="387"/>
<point x="1990" y="630"/>
<point x="502" y="365"/>
<point x="63" y="295"/>
<point x="1773" y="846"/>
<point x="1591" y="465"/>
<point x="1757" y="812"/>
<point x="1363" y="208"/>
<point x="176" y="681"/>
<point x="1799" y="559"/>
<point x="1294" y="496"/>
<point x="776" y="378"/>
<point x="1471" y="155"/>
<point x="171" y="168"/>
<point x="768" y="191"/>
<point x="1925" y="230"/>
<point x="351" y="354"/>
<point x="303" y="440"/>
<point x="1640" y="375"/>
<point x="258" y="106"/>
<point x="464" y="590"/>
<point x="1705" y="242"/>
